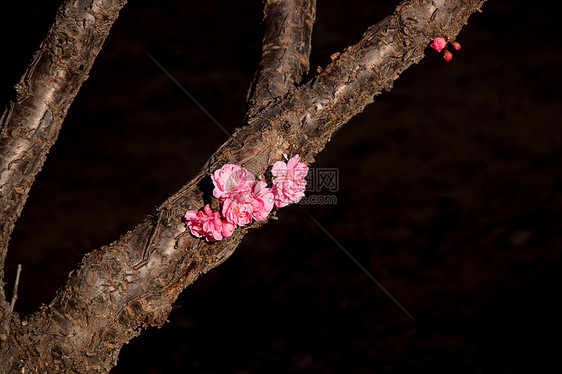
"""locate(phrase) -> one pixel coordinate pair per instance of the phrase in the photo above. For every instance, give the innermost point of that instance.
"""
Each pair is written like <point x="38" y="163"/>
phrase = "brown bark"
<point x="133" y="282"/>
<point x="285" y="50"/>
<point x="31" y="123"/>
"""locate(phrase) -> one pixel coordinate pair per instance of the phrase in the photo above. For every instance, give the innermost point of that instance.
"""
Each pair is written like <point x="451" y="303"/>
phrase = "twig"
<point x="15" y="293"/>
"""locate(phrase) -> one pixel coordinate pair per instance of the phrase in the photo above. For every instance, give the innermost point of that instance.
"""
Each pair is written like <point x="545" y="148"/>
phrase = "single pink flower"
<point x="208" y="224"/>
<point x="438" y="44"/>
<point x="456" y="45"/>
<point x="263" y="201"/>
<point x="448" y="56"/>
<point x="238" y="209"/>
<point x="231" y="180"/>
<point x="289" y="182"/>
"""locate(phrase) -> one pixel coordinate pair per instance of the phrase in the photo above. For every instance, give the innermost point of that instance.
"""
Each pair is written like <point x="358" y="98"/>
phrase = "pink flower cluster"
<point x="440" y="43"/>
<point x="243" y="199"/>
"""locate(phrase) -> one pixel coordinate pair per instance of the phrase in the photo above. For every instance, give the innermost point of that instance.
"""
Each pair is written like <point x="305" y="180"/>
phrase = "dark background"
<point x="450" y="194"/>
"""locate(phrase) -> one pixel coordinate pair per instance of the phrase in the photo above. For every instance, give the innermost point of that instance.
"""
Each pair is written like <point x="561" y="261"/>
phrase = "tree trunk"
<point x="31" y="123"/>
<point x="133" y="282"/>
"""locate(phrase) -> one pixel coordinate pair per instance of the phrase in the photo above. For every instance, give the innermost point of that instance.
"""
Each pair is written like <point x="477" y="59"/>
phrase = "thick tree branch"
<point x="30" y="124"/>
<point x="285" y="50"/>
<point x="133" y="282"/>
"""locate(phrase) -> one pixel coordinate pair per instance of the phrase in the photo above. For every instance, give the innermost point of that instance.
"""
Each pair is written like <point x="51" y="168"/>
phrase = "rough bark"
<point x="285" y="50"/>
<point x="133" y="282"/>
<point x="31" y="122"/>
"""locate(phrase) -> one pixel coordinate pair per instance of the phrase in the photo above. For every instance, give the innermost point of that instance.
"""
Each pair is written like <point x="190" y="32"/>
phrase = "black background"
<point x="450" y="194"/>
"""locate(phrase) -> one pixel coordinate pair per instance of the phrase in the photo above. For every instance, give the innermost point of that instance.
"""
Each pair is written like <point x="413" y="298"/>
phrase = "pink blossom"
<point x="456" y="45"/>
<point x="238" y="209"/>
<point x="289" y="183"/>
<point x="448" y="56"/>
<point x="438" y="44"/>
<point x="208" y="224"/>
<point x="262" y="201"/>
<point x="231" y="180"/>
<point x="227" y="229"/>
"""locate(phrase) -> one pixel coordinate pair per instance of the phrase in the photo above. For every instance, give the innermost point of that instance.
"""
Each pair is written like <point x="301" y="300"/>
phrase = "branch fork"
<point x="133" y="282"/>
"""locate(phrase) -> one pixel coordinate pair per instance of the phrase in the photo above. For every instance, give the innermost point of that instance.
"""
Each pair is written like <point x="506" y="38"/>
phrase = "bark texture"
<point x="285" y="50"/>
<point x="31" y="122"/>
<point x="133" y="282"/>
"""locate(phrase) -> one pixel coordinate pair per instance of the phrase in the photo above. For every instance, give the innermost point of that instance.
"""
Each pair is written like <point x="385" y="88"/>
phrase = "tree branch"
<point x="31" y="123"/>
<point x="134" y="281"/>
<point x="285" y="50"/>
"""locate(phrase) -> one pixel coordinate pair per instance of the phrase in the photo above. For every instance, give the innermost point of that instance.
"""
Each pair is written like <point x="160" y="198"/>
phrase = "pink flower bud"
<point x="456" y="45"/>
<point x="438" y="44"/>
<point x="448" y="56"/>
